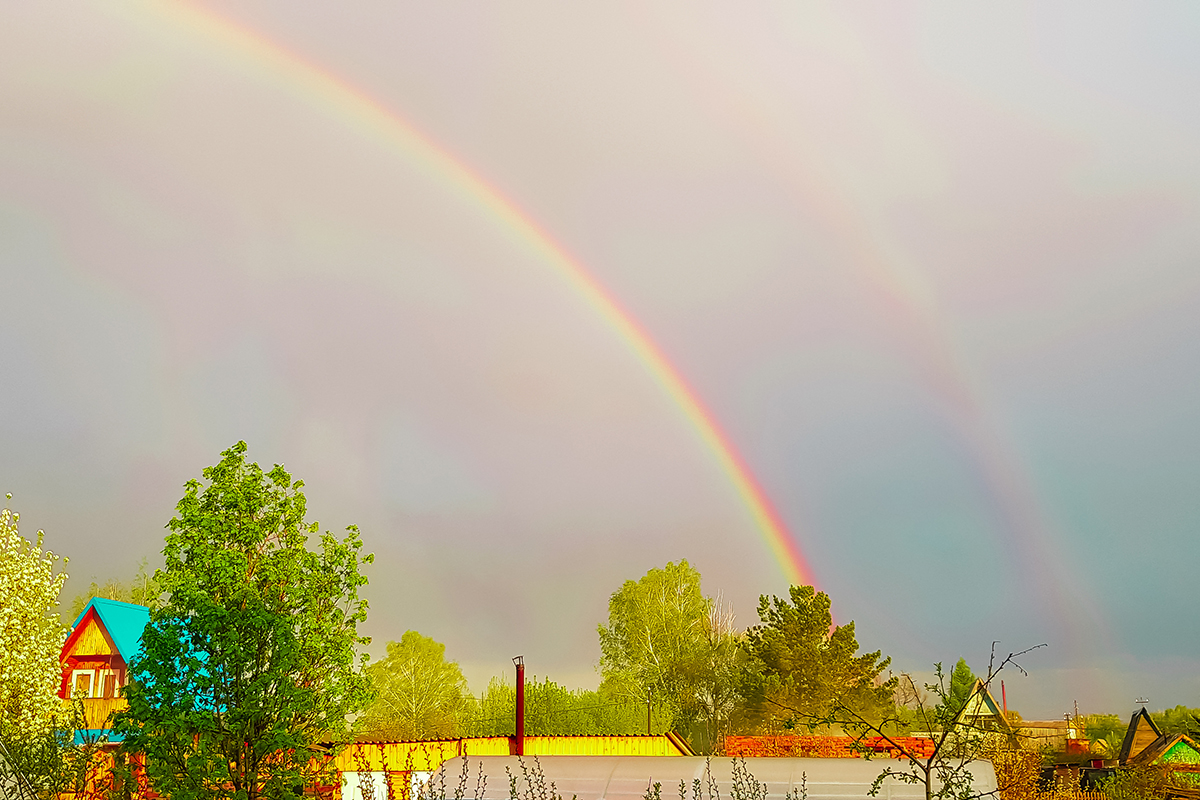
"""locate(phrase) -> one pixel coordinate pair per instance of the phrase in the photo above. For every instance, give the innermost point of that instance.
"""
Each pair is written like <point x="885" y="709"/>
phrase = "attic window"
<point x="82" y="682"/>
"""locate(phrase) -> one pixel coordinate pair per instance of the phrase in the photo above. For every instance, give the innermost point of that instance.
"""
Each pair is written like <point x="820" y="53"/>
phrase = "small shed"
<point x="1145" y="744"/>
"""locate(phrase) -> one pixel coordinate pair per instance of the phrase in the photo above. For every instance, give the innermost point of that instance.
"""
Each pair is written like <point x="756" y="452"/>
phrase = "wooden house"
<point x="982" y="712"/>
<point x="95" y="661"/>
<point x="1145" y="744"/>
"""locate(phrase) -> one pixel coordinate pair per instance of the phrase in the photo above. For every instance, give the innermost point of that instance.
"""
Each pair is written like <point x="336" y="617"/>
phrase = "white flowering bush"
<point x="31" y="634"/>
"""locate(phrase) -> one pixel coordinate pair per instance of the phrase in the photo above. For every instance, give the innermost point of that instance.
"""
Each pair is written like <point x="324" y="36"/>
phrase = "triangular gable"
<point x="122" y="623"/>
<point x="1181" y="750"/>
<point x="981" y="704"/>
<point x="87" y="627"/>
<point x="1141" y="733"/>
<point x="90" y="638"/>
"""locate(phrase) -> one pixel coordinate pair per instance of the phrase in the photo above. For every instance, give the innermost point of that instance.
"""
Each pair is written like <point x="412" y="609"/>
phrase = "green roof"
<point x="123" y="621"/>
<point x="1182" y="752"/>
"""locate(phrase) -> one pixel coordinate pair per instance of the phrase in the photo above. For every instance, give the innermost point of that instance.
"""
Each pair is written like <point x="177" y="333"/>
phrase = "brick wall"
<point x="817" y="746"/>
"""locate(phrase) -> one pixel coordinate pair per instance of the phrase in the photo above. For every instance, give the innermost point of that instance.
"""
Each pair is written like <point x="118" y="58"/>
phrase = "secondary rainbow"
<point x="317" y="86"/>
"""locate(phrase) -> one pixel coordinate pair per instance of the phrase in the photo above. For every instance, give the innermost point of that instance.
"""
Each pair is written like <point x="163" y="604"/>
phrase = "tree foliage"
<point x="31" y="636"/>
<point x="802" y="666"/>
<point x="418" y="693"/>
<point x="142" y="590"/>
<point x="962" y="685"/>
<point x="945" y="772"/>
<point x="31" y="633"/>
<point x="1179" y="719"/>
<point x="665" y="643"/>
<point x="1146" y="782"/>
<point x="552" y="709"/>
<point x="251" y="658"/>
<point x="717" y="696"/>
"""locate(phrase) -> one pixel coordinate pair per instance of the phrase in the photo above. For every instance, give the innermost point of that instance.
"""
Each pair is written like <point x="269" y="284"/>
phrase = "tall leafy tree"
<point x="802" y="665"/>
<point x="418" y="693"/>
<point x="251" y="658"/>
<point x="716" y="677"/>
<point x="656" y="638"/>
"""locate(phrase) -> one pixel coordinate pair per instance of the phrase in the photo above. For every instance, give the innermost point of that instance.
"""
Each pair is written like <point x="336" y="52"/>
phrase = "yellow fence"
<point x="428" y="756"/>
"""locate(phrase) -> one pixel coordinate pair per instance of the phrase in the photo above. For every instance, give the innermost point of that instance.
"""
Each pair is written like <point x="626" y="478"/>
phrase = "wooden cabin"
<point x="95" y="661"/>
<point x="982" y="712"/>
<point x="1145" y="744"/>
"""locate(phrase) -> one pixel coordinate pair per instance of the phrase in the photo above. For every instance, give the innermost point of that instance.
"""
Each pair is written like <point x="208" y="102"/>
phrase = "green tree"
<point x="716" y="677"/>
<point x="418" y="693"/>
<point x="552" y="709"/>
<point x="656" y="638"/>
<point x="944" y="772"/>
<point x="251" y="659"/>
<point x="962" y="685"/>
<point x="1179" y="719"/>
<point x="801" y="666"/>
<point x="1145" y="782"/>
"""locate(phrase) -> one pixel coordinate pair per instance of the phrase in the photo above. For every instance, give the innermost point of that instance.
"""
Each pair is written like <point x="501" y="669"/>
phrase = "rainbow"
<point x="1027" y="533"/>
<point x="320" y="88"/>
<point x="909" y="304"/>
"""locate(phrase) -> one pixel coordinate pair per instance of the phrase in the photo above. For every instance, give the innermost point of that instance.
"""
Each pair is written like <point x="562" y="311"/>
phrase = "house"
<point x="95" y="662"/>
<point x="1145" y="744"/>
<point x="982" y="712"/>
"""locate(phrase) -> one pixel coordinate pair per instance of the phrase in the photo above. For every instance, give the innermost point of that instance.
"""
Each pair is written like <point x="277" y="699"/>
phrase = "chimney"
<point x="520" y="736"/>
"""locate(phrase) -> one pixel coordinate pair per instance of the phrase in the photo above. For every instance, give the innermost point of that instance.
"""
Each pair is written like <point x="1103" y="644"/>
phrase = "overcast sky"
<point x="933" y="268"/>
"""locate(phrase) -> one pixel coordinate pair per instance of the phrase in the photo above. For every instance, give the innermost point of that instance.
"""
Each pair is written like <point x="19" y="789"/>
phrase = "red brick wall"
<point x="816" y="746"/>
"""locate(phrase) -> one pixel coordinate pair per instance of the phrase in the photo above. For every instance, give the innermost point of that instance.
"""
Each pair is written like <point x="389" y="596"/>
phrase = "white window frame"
<point x="91" y="673"/>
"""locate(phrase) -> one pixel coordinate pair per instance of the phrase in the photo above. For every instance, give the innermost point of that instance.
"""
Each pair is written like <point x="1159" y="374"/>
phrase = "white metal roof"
<point x="628" y="777"/>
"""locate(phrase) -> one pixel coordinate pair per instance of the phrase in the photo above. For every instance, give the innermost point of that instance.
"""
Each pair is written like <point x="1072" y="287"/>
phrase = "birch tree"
<point x="656" y="640"/>
<point x="418" y="693"/>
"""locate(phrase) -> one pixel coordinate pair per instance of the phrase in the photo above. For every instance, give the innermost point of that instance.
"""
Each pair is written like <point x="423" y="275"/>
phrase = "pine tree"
<point x="962" y="683"/>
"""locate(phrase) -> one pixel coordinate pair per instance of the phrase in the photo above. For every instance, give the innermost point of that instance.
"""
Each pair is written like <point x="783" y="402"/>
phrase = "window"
<point x="110" y="684"/>
<point x="82" y="683"/>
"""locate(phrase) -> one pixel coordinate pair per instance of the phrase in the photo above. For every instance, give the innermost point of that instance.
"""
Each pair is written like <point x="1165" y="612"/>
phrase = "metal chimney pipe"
<point x="520" y="737"/>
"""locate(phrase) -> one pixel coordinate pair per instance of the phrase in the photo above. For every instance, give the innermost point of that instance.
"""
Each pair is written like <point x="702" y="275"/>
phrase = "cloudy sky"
<point x="932" y="269"/>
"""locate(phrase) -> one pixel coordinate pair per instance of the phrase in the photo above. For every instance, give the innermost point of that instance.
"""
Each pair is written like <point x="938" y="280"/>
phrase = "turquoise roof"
<point x="123" y="621"/>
